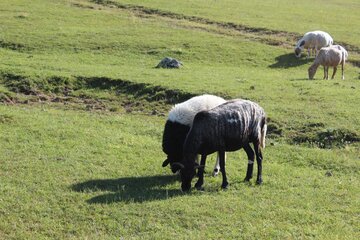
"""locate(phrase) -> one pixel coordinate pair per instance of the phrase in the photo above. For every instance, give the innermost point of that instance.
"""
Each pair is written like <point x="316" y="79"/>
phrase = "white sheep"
<point x="313" y="41"/>
<point x="328" y="57"/>
<point x="178" y="125"/>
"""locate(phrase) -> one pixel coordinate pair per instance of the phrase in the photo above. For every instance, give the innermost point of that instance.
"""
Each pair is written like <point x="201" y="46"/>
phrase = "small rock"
<point x="169" y="62"/>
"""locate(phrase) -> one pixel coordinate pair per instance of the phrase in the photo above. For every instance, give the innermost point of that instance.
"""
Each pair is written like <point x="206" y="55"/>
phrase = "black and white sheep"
<point x="329" y="57"/>
<point x="178" y="125"/>
<point x="228" y="127"/>
<point x="313" y="41"/>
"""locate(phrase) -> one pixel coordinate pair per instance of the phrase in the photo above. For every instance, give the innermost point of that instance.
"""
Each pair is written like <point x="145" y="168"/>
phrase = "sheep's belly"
<point x="233" y="145"/>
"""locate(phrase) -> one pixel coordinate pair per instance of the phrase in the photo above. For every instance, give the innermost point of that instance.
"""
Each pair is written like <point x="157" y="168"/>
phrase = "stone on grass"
<point x="169" y="62"/>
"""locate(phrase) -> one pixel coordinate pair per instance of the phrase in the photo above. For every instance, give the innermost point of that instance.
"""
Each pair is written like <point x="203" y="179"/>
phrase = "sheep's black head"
<point x="173" y="140"/>
<point x="298" y="52"/>
<point x="299" y="48"/>
<point x="187" y="173"/>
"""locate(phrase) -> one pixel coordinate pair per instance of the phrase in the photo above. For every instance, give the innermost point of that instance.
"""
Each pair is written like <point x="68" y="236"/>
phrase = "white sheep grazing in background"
<point x="178" y="125"/>
<point x="313" y="41"/>
<point x="328" y="57"/>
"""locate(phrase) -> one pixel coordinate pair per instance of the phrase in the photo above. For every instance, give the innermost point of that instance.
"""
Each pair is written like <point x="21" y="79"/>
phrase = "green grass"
<point x="83" y="109"/>
<point x="70" y="174"/>
<point x="276" y="15"/>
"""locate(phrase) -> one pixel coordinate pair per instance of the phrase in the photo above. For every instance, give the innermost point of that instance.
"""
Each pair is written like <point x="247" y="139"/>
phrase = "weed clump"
<point x="327" y="138"/>
<point x="4" y="118"/>
<point x="35" y="86"/>
<point x="274" y="129"/>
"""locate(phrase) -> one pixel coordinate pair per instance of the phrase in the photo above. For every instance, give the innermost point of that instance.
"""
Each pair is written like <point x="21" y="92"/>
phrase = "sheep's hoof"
<point x="215" y="172"/>
<point x="259" y="181"/>
<point x="247" y="179"/>
<point x="225" y="185"/>
<point x="198" y="186"/>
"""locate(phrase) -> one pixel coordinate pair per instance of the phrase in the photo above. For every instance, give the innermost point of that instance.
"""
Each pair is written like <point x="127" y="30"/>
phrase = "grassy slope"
<point x="129" y="47"/>
<point x="77" y="174"/>
<point x="278" y="15"/>
<point x="46" y="149"/>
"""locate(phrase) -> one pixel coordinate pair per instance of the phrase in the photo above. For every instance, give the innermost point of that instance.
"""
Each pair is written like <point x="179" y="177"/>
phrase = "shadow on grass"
<point x="289" y="60"/>
<point x="302" y="79"/>
<point x="129" y="189"/>
<point x="139" y="90"/>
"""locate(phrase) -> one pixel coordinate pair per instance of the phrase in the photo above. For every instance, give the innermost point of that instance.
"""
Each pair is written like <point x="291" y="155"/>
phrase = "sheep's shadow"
<point x="129" y="189"/>
<point x="301" y="79"/>
<point x="289" y="60"/>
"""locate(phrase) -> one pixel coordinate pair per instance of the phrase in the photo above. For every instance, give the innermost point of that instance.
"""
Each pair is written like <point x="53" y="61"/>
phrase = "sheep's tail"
<point x="263" y="133"/>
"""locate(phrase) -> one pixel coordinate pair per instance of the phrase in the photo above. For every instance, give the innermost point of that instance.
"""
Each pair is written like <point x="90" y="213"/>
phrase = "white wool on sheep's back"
<point x="185" y="112"/>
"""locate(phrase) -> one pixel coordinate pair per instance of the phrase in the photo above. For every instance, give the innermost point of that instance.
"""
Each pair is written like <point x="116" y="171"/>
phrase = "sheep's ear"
<point x="166" y="162"/>
<point x="302" y="43"/>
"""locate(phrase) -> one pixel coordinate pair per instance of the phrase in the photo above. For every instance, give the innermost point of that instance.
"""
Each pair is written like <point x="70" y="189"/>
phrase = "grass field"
<point x="83" y="109"/>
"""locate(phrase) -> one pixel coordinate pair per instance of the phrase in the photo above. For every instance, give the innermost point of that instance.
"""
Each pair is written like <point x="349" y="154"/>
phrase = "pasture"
<point x="82" y="110"/>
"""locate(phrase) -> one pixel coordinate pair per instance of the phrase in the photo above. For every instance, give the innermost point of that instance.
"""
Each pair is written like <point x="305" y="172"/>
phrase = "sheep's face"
<point x="187" y="171"/>
<point x="298" y="52"/>
<point x="311" y="72"/>
<point x="187" y="174"/>
<point x="299" y="48"/>
<point x="173" y="139"/>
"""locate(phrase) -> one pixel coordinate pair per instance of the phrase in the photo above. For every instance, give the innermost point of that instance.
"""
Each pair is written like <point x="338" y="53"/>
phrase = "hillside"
<point x="82" y="111"/>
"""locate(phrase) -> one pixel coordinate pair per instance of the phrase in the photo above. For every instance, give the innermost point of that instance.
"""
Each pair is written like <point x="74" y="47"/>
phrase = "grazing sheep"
<point x="227" y="127"/>
<point x="313" y="41"/>
<point x="178" y="125"/>
<point x="328" y="57"/>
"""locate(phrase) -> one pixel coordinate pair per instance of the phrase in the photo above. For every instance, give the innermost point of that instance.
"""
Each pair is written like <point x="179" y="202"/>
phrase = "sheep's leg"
<point x="342" y="70"/>
<point x="324" y="72"/>
<point x="251" y="157"/>
<point x="222" y="169"/>
<point x="201" y="170"/>
<point x="217" y="165"/>
<point x="327" y="73"/>
<point x="259" y="163"/>
<point x="334" y="72"/>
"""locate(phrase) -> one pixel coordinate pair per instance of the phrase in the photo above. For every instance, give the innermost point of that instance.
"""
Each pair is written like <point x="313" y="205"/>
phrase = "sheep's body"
<point x="228" y="127"/>
<point x="328" y="57"/>
<point x="313" y="41"/>
<point x="341" y="48"/>
<point x="178" y="125"/>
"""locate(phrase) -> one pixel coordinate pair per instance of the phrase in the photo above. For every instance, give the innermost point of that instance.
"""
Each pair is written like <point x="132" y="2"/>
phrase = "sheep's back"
<point x="185" y="112"/>
<point x="317" y="38"/>
<point x="229" y="122"/>
<point x="329" y="57"/>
